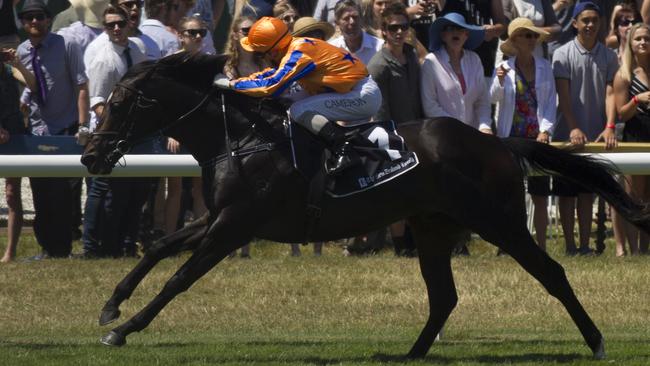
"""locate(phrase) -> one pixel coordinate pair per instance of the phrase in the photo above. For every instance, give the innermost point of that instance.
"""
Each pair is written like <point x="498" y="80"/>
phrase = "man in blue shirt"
<point x="58" y="67"/>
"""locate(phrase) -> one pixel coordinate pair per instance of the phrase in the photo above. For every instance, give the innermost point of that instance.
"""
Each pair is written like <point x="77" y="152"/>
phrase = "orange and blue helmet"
<point x="265" y="35"/>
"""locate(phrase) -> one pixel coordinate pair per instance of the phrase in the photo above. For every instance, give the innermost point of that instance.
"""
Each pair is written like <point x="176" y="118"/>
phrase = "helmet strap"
<point x="278" y="40"/>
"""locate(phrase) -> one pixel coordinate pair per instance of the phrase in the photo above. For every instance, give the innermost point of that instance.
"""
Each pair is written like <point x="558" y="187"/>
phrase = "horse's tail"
<point x="592" y="173"/>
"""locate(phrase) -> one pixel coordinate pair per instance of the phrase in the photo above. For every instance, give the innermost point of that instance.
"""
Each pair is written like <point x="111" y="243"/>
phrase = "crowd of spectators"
<point x="561" y="70"/>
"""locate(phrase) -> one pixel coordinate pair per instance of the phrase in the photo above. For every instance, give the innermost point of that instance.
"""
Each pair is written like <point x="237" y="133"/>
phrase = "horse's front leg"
<point x="224" y="236"/>
<point x="187" y="238"/>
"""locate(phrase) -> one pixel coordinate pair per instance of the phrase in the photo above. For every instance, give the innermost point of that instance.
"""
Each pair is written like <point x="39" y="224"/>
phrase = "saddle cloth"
<point x="382" y="151"/>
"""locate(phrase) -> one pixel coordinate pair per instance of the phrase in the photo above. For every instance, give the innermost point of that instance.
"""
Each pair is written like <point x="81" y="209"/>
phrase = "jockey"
<point x="339" y="86"/>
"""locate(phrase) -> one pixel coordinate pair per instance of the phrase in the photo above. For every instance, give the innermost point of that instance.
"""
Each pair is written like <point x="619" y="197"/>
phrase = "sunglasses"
<point x="131" y="4"/>
<point x="120" y="24"/>
<point x="627" y="22"/>
<point x="194" y="32"/>
<point x="245" y="30"/>
<point x="34" y="16"/>
<point x="395" y="27"/>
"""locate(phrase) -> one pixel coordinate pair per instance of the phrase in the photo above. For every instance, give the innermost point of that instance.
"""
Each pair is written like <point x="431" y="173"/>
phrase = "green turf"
<point x="279" y="310"/>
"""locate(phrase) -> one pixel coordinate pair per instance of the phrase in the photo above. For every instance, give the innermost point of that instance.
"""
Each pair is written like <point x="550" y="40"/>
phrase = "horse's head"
<point x="148" y="99"/>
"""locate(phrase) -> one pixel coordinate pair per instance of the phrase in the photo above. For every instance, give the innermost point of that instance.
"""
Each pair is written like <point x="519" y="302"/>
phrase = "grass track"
<point x="278" y="310"/>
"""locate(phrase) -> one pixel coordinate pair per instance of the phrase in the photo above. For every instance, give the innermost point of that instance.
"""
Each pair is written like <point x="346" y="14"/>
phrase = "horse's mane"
<point x="198" y="71"/>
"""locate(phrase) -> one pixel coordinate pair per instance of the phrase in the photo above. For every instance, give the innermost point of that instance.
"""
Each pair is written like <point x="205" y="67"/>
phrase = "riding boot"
<point x="343" y="155"/>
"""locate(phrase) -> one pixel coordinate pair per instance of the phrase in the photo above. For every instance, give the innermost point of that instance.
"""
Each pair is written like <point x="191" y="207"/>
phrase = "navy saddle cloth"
<point x="382" y="151"/>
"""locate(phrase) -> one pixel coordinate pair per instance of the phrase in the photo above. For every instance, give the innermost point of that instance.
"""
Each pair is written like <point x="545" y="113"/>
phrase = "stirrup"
<point x="342" y="159"/>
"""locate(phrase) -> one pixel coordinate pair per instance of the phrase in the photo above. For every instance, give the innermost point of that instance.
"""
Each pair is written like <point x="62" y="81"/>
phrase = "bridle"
<point x="123" y="146"/>
<point x="142" y="102"/>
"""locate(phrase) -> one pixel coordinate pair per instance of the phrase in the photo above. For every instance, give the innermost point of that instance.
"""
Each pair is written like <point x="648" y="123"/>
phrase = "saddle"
<point x="382" y="156"/>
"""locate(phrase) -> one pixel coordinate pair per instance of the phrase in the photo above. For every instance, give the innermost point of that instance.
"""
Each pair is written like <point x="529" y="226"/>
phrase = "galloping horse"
<point x="465" y="180"/>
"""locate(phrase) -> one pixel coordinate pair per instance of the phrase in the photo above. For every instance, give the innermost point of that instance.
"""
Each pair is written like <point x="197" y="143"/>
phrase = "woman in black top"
<point x="632" y="97"/>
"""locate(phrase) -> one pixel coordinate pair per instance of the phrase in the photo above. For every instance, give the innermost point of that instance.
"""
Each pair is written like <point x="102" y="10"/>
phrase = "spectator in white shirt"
<point x="159" y="13"/>
<point x="524" y="89"/>
<point x="114" y="205"/>
<point x="353" y="38"/>
<point x="113" y="60"/>
<point x="453" y="84"/>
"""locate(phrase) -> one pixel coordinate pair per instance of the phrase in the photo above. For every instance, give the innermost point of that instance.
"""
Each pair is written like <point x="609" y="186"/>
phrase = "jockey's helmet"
<point x="265" y="35"/>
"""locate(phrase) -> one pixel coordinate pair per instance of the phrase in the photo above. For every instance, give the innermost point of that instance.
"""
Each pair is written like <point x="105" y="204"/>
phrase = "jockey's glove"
<point x="221" y="81"/>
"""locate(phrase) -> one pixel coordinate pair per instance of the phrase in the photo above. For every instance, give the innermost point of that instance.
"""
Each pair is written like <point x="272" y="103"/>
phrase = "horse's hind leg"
<point x="495" y="210"/>
<point x="186" y="238"/>
<point x="518" y="242"/>
<point x="435" y="237"/>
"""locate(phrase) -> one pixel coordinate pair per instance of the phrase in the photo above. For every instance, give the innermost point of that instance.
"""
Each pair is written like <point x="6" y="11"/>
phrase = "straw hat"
<point x="90" y="12"/>
<point x="305" y="25"/>
<point x="516" y="24"/>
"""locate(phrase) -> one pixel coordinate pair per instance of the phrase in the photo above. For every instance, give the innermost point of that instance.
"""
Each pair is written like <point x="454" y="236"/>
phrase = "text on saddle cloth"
<point x="383" y="154"/>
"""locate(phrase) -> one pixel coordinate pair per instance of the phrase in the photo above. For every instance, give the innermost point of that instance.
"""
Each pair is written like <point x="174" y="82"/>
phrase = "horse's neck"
<point x="204" y="135"/>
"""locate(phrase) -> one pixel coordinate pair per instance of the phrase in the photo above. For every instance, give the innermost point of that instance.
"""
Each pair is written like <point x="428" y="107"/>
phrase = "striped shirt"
<point x="637" y="87"/>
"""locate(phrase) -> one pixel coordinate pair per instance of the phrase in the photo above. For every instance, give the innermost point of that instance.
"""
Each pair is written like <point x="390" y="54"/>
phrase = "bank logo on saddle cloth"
<point x="383" y="157"/>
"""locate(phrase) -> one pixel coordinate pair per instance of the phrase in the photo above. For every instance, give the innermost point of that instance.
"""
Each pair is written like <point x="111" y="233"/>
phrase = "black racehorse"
<point x="465" y="180"/>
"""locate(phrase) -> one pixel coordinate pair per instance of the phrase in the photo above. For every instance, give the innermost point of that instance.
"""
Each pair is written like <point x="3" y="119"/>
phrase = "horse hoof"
<point x="113" y="339"/>
<point x="108" y="316"/>
<point x="599" y="352"/>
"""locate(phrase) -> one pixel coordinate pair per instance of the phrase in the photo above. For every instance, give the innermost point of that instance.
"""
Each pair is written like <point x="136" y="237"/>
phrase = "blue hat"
<point x="585" y="5"/>
<point x="476" y="33"/>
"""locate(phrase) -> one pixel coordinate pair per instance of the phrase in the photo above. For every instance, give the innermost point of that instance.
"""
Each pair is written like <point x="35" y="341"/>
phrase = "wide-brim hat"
<point x="90" y="12"/>
<point x="517" y="24"/>
<point x="34" y="5"/>
<point x="476" y="33"/>
<point x="305" y="25"/>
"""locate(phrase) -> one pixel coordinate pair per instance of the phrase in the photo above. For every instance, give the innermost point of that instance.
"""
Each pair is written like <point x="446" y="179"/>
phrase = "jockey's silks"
<point x="316" y="65"/>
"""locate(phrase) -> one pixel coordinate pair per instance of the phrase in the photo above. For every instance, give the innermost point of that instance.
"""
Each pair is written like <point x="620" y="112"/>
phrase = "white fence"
<point x="185" y="166"/>
<point x="70" y="166"/>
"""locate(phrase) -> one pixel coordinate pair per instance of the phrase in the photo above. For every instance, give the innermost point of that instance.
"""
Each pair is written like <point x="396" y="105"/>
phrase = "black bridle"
<point x="123" y="146"/>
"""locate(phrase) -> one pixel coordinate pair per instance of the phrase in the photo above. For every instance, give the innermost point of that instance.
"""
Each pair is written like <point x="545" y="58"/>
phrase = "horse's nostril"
<point x="88" y="159"/>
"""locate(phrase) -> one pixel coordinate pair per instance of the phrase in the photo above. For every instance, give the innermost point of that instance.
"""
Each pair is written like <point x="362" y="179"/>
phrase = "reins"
<point x="123" y="146"/>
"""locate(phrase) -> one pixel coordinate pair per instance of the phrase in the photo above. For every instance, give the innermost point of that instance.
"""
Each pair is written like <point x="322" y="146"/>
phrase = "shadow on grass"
<point x="490" y="360"/>
<point x="489" y="351"/>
